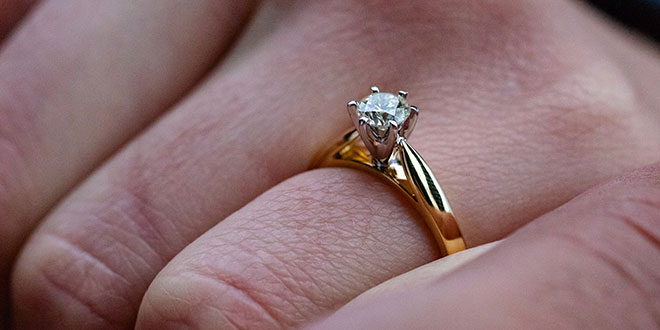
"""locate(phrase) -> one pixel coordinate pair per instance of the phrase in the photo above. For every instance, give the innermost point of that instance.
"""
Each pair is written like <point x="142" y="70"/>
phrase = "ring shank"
<point x="409" y="173"/>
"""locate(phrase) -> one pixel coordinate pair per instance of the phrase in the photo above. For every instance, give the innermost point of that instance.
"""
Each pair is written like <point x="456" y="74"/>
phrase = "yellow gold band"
<point x="408" y="172"/>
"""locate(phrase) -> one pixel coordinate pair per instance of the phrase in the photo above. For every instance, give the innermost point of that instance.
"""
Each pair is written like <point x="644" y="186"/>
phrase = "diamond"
<point x="378" y="109"/>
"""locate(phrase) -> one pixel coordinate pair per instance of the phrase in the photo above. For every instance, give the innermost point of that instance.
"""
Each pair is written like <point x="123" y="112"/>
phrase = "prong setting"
<point x="409" y="123"/>
<point x="382" y="121"/>
<point x="352" y="112"/>
<point x="393" y="124"/>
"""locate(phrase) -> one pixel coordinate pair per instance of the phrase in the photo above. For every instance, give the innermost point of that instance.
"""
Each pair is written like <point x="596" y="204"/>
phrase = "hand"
<point x="524" y="105"/>
<point x="591" y="264"/>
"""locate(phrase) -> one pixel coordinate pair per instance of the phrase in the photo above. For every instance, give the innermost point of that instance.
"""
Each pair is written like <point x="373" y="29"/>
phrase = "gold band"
<point x="408" y="172"/>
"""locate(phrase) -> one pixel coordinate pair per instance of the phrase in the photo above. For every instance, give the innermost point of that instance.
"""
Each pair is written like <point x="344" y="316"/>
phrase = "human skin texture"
<point x="155" y="155"/>
<point x="590" y="264"/>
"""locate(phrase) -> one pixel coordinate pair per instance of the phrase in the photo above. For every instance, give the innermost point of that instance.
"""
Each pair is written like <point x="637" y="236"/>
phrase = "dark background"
<point x="642" y="15"/>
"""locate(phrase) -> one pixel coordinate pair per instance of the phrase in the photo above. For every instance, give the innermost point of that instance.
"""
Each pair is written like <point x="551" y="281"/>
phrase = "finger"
<point x="79" y="78"/>
<point x="255" y="124"/>
<point x="282" y="258"/>
<point x="591" y="264"/>
<point x="301" y="249"/>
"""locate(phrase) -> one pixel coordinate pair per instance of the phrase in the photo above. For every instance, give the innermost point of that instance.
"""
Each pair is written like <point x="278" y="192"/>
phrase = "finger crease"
<point x="89" y="306"/>
<point x="614" y="265"/>
<point x="89" y="257"/>
<point x="247" y="297"/>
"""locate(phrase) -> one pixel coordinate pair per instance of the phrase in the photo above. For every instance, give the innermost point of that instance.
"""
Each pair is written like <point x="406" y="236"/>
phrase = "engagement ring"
<point x="378" y="144"/>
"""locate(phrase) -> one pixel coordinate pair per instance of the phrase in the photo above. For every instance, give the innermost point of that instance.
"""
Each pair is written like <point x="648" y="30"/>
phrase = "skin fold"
<point x="154" y="158"/>
<point x="11" y="11"/>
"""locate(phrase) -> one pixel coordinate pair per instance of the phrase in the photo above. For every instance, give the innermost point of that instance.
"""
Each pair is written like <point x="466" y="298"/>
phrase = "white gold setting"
<point x="383" y="120"/>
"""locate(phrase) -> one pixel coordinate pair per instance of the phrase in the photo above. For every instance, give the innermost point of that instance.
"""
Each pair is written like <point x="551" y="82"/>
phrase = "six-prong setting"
<point x="382" y="120"/>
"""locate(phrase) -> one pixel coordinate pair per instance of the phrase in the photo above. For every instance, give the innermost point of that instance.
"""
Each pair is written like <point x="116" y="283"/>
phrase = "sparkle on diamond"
<point x="379" y="108"/>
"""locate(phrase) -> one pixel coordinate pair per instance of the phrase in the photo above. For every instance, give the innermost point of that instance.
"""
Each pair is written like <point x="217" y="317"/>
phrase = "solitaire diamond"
<point x="383" y="121"/>
<point x="378" y="109"/>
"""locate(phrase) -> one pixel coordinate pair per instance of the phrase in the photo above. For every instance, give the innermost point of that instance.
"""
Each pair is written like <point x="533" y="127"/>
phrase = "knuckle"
<point x="76" y="287"/>
<point x="605" y="246"/>
<point x="622" y="240"/>
<point x="591" y="106"/>
<point x="387" y="17"/>
<point x="99" y="250"/>
<point x="506" y="30"/>
<point x="630" y="206"/>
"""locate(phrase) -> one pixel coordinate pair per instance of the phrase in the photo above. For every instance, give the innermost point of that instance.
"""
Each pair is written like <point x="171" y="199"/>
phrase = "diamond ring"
<point x="378" y="144"/>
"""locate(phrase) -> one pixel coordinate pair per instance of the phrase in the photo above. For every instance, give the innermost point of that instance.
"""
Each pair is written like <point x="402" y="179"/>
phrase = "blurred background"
<point x="643" y="15"/>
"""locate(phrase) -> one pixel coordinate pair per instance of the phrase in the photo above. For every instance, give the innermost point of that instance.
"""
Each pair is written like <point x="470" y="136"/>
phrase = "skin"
<point x="590" y="264"/>
<point x="154" y="165"/>
<point x="11" y="11"/>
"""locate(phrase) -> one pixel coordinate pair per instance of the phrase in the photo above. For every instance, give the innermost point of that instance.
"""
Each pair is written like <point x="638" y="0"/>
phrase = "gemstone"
<point x="378" y="109"/>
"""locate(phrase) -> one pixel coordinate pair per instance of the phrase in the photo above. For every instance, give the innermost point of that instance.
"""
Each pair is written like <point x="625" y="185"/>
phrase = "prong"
<point x="369" y="131"/>
<point x="374" y="89"/>
<point x="365" y="131"/>
<point x="392" y="133"/>
<point x="393" y="125"/>
<point x="403" y="94"/>
<point x="385" y="146"/>
<point x="371" y="141"/>
<point x="409" y="123"/>
<point x="367" y="136"/>
<point x="352" y="112"/>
